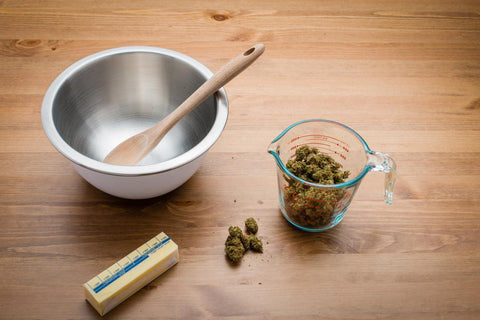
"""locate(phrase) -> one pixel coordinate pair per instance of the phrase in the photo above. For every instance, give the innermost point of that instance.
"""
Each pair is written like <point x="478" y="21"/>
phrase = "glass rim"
<point x="348" y="183"/>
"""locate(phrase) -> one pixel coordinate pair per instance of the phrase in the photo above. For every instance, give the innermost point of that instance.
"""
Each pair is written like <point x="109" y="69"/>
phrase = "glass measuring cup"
<point x="317" y="207"/>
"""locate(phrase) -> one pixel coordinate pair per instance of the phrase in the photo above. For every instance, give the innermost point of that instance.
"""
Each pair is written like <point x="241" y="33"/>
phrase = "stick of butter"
<point x="114" y="285"/>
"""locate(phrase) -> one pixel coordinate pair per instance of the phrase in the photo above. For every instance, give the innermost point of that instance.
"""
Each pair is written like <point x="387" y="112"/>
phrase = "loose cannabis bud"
<point x="251" y="226"/>
<point x="235" y="253"/>
<point x="238" y="243"/>
<point x="233" y="241"/>
<point x="246" y="242"/>
<point x="234" y="247"/>
<point x="235" y="231"/>
<point x="255" y="244"/>
<point x="309" y="205"/>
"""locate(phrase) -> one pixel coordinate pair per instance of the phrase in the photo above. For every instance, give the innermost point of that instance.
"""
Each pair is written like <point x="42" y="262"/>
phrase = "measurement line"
<point x="319" y="136"/>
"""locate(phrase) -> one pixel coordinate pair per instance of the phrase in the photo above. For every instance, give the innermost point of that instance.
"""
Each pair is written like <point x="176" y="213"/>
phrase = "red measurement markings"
<point x="320" y="147"/>
<point x="345" y="146"/>
<point x="294" y="198"/>
<point x="338" y="205"/>
<point x="295" y="147"/>
<point x="342" y="203"/>
<point x="341" y="155"/>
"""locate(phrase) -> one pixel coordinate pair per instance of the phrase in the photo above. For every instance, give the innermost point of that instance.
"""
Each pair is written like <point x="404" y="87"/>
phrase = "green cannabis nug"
<point x="238" y="243"/>
<point x="307" y="205"/>
<point x="251" y="226"/>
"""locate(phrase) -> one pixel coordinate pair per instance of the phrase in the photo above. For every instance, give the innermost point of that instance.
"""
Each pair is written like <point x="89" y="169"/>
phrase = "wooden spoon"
<point x="134" y="149"/>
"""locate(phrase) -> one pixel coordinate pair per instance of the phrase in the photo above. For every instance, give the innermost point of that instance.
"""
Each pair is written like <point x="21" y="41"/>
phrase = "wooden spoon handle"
<point x="218" y="80"/>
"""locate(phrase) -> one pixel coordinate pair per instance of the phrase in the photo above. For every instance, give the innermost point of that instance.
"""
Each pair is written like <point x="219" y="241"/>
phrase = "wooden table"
<point x="404" y="74"/>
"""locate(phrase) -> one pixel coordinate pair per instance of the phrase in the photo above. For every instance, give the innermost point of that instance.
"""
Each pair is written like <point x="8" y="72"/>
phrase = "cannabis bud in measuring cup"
<point x="320" y="165"/>
<point x="313" y="206"/>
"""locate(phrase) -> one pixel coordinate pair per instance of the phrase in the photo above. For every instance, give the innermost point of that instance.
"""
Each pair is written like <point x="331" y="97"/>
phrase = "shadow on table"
<point x="334" y="240"/>
<point x="113" y="226"/>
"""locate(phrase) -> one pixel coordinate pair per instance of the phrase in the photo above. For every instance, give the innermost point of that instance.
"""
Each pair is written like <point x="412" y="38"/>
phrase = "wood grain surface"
<point x="404" y="74"/>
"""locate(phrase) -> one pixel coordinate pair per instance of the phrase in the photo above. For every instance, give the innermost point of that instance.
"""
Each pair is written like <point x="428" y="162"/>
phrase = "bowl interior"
<point x="114" y="97"/>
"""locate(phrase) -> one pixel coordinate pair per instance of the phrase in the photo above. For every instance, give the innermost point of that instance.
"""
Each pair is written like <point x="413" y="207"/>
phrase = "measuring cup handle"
<point x="383" y="162"/>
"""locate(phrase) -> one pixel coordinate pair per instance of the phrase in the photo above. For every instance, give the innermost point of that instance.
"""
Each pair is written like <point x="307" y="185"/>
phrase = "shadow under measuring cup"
<point x="325" y="207"/>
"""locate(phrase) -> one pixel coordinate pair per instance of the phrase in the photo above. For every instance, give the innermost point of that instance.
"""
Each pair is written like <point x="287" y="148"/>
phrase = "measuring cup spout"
<point x="272" y="148"/>
<point x="383" y="162"/>
<point x="274" y="151"/>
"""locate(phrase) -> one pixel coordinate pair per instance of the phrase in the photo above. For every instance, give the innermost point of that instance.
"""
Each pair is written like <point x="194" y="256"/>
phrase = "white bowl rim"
<point x="95" y="165"/>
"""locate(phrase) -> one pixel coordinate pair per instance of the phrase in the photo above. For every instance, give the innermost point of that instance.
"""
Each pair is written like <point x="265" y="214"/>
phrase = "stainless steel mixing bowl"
<point x="105" y="98"/>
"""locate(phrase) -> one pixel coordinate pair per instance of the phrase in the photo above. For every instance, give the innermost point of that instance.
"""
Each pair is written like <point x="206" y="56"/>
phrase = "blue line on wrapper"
<point x="130" y="266"/>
